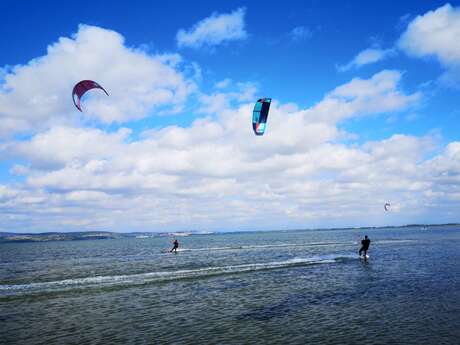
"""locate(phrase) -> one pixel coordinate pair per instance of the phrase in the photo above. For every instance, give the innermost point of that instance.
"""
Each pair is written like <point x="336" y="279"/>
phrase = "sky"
<point x="365" y="112"/>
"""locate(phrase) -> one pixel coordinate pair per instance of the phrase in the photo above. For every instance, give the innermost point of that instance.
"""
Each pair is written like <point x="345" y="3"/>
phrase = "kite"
<point x="80" y="89"/>
<point x="260" y="114"/>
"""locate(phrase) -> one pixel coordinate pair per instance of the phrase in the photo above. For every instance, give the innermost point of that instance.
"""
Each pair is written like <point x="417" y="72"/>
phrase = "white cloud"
<point x="38" y="94"/>
<point x="300" y="33"/>
<point x="223" y="83"/>
<point x="214" y="103"/>
<point x="83" y="148"/>
<point x="214" y="30"/>
<point x="211" y="174"/>
<point x="366" y="57"/>
<point x="359" y="97"/>
<point x="436" y="33"/>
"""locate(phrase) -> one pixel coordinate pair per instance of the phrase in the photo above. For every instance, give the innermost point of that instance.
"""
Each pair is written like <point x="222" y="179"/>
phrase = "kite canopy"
<point x="80" y="89"/>
<point x="387" y="207"/>
<point x="260" y="114"/>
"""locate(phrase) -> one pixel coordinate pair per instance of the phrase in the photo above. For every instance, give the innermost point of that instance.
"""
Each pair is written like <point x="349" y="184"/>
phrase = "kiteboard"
<point x="364" y="257"/>
<point x="169" y="251"/>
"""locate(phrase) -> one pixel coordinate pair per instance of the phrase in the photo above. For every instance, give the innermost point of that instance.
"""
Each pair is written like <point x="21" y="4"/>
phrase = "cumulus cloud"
<point x="212" y="174"/>
<point x="366" y="57"/>
<point x="218" y="101"/>
<point x="435" y="34"/>
<point x="215" y="173"/>
<point x="38" y="94"/>
<point x="214" y="30"/>
<point x="379" y="94"/>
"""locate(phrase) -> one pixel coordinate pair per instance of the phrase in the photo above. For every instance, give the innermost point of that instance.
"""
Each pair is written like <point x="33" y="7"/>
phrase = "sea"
<point x="273" y="287"/>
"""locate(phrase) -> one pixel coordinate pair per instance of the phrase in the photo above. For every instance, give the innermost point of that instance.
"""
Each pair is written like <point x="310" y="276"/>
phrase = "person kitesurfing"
<point x="365" y="243"/>
<point x="175" y="246"/>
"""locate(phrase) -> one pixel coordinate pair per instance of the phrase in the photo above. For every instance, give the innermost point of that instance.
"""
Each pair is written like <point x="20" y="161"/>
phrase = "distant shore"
<point x="8" y="237"/>
<point x="11" y="237"/>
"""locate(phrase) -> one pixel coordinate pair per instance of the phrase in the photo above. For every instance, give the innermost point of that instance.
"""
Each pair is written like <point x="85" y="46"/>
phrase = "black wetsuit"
<point x="175" y="246"/>
<point x="365" y="246"/>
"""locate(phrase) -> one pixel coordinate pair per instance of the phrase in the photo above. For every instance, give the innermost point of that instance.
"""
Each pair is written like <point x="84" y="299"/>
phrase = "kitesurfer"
<point x="175" y="246"/>
<point x="365" y="245"/>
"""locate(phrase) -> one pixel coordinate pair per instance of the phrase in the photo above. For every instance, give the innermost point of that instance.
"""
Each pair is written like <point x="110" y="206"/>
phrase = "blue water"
<point x="285" y="287"/>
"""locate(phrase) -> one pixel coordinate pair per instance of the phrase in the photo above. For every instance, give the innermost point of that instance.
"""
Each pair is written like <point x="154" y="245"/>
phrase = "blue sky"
<point x="362" y="92"/>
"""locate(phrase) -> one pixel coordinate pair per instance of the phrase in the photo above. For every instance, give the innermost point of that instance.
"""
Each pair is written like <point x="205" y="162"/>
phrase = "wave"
<point x="288" y="245"/>
<point x="389" y="241"/>
<point x="265" y="246"/>
<point x="154" y="277"/>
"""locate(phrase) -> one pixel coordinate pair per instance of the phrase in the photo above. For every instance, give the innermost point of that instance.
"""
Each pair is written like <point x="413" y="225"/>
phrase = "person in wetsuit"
<point x="365" y="245"/>
<point x="175" y="246"/>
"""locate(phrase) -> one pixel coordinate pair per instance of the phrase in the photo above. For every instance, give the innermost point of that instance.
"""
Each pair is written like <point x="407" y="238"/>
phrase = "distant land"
<point x="9" y="237"/>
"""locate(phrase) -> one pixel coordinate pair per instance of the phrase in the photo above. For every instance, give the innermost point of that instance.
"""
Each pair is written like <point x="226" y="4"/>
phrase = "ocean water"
<point x="281" y="287"/>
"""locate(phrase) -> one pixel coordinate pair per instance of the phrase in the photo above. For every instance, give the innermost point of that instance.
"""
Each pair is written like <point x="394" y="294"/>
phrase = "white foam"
<point x="264" y="246"/>
<point x="143" y="278"/>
